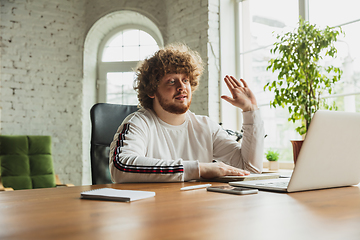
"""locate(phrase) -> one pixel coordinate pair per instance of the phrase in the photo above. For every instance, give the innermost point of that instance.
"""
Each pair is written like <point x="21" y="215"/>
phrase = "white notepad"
<point x="116" y="194"/>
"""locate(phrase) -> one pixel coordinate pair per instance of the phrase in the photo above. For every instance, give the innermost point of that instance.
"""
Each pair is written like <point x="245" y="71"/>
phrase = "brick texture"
<point x="43" y="81"/>
<point x="197" y="24"/>
<point x="41" y="76"/>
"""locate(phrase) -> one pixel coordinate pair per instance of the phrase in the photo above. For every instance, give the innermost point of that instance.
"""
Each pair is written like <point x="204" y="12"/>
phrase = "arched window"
<point x="119" y="53"/>
<point x="99" y="36"/>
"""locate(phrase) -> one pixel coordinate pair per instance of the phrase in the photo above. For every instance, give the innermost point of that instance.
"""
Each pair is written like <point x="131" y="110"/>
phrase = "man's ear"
<point x="151" y="96"/>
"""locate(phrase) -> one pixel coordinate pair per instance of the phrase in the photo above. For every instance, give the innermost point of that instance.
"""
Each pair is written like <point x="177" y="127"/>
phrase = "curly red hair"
<point x="175" y="58"/>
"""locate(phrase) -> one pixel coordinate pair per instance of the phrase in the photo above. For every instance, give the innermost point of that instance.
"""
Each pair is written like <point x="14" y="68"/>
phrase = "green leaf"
<point x="301" y="78"/>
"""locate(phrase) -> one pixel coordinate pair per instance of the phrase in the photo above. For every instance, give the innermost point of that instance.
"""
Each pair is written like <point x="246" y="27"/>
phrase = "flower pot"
<point x="273" y="165"/>
<point x="296" y="148"/>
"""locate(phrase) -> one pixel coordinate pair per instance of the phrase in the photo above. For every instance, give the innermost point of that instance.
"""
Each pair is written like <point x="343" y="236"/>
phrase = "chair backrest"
<point x="26" y="162"/>
<point x="105" y="120"/>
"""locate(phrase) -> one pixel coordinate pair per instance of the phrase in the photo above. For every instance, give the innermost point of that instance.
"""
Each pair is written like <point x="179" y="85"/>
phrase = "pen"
<point x="195" y="187"/>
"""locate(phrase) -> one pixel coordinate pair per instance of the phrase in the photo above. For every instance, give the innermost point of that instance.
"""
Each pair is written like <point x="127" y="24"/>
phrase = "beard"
<point x="173" y="107"/>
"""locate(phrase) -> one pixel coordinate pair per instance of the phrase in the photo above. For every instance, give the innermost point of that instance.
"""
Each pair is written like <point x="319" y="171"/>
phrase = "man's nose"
<point x="181" y="85"/>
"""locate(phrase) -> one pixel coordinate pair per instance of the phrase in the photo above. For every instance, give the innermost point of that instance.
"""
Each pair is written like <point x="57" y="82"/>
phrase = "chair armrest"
<point x="60" y="184"/>
<point x="2" y="188"/>
<point x="65" y="185"/>
<point x="6" y="189"/>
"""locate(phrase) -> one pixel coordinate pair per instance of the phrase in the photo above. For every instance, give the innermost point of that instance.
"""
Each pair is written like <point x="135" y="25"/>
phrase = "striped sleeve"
<point x="129" y="163"/>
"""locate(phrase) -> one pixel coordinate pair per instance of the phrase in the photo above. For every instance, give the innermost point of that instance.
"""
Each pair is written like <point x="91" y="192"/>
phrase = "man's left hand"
<point x="242" y="96"/>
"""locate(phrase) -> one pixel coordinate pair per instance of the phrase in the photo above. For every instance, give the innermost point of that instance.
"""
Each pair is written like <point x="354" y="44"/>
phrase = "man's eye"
<point x="186" y="80"/>
<point x="171" y="81"/>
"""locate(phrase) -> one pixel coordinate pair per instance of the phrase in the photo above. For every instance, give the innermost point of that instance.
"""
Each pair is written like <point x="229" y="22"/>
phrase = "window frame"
<point x="240" y="29"/>
<point x="124" y="66"/>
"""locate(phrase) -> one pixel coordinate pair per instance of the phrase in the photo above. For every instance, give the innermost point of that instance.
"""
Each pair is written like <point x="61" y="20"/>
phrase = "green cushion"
<point x="17" y="182"/>
<point x="13" y="145"/>
<point x="26" y="162"/>
<point x="15" y="165"/>
<point x="43" y="181"/>
<point x="39" y="145"/>
<point x="41" y="164"/>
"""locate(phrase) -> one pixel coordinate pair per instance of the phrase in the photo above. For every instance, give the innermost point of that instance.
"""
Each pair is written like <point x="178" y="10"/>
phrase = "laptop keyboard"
<point x="274" y="184"/>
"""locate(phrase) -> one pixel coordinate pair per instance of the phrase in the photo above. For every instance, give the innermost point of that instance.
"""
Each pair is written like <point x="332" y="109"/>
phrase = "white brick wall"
<point x="41" y="72"/>
<point x="213" y="51"/>
<point x="154" y="10"/>
<point x="44" y="90"/>
<point x="195" y="22"/>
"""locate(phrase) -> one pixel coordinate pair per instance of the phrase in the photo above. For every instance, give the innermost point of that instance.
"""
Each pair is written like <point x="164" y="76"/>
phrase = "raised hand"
<point x="242" y="96"/>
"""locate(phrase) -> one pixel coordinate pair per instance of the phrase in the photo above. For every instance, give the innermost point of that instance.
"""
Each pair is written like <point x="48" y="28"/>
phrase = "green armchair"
<point x="26" y="162"/>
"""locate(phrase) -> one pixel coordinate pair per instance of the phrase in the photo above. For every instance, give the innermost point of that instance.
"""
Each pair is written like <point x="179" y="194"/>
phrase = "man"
<point x="165" y="142"/>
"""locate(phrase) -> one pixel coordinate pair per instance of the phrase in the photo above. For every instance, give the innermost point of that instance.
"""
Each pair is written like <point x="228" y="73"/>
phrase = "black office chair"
<point x="105" y="120"/>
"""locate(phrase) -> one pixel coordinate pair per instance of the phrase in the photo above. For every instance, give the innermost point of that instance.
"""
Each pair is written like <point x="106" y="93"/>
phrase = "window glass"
<point x="265" y="21"/>
<point x="348" y="56"/>
<point x="261" y="21"/>
<point x="129" y="45"/>
<point x="131" y="53"/>
<point x="113" y="50"/>
<point x="333" y="12"/>
<point x="146" y="39"/>
<point x="146" y="51"/>
<point x="131" y="37"/>
<point x="120" y="88"/>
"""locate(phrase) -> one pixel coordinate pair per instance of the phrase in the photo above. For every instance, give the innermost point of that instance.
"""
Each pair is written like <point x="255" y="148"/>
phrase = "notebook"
<point x="116" y="194"/>
<point x="329" y="156"/>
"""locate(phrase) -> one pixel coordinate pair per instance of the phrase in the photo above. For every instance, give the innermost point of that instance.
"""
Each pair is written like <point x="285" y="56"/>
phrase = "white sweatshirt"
<point x="146" y="149"/>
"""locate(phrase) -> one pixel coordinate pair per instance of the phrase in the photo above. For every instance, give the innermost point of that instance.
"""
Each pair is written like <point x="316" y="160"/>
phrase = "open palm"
<point x="242" y="96"/>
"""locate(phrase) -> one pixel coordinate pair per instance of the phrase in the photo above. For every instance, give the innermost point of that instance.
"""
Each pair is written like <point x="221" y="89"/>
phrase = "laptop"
<point x="252" y="176"/>
<point x="329" y="156"/>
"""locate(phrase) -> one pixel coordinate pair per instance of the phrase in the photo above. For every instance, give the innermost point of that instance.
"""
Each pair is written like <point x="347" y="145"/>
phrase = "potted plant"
<point x="302" y="79"/>
<point x="272" y="156"/>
